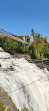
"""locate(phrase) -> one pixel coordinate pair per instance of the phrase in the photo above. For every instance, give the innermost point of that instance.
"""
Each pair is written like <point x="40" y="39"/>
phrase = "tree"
<point x="33" y="32"/>
<point x="37" y="35"/>
<point x="39" y="48"/>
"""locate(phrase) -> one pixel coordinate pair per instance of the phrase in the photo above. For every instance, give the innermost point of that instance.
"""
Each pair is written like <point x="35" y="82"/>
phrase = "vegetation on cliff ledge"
<point x="38" y="49"/>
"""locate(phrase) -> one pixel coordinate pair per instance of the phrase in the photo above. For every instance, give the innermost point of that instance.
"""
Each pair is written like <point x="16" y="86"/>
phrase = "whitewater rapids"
<point x="16" y="73"/>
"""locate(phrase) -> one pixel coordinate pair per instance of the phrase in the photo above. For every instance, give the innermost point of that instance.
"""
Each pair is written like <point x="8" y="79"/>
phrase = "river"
<point x="24" y="82"/>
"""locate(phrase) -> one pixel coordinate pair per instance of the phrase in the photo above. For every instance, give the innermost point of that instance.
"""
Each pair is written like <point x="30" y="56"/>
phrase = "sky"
<point x="20" y="16"/>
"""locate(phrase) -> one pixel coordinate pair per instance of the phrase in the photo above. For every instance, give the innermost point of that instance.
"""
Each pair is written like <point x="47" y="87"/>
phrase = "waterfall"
<point x="24" y="82"/>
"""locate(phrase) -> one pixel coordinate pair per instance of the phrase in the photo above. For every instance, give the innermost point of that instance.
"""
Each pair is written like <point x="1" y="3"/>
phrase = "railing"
<point x="45" y="61"/>
<point x="40" y="62"/>
<point x="5" y="33"/>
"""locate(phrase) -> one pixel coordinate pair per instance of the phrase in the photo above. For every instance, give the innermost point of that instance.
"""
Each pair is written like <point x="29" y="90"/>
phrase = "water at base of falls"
<point x="17" y="73"/>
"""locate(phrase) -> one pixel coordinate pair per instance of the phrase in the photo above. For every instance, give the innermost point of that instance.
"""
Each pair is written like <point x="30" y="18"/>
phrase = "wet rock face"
<point x="7" y="100"/>
<point x="1" y="50"/>
<point x="24" y="82"/>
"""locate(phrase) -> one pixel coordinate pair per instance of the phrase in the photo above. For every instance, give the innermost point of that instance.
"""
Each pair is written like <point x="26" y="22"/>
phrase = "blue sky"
<point x="20" y="16"/>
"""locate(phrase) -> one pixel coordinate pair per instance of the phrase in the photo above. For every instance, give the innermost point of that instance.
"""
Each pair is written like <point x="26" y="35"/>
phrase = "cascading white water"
<point x="16" y="73"/>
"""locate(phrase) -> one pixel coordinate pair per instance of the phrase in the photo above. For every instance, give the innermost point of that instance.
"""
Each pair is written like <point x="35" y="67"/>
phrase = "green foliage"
<point x="38" y="49"/>
<point x="12" y="46"/>
<point x="37" y="35"/>
<point x="26" y="109"/>
<point x="32" y="32"/>
<point x="2" y="106"/>
<point x="17" y="109"/>
<point x="41" y="48"/>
